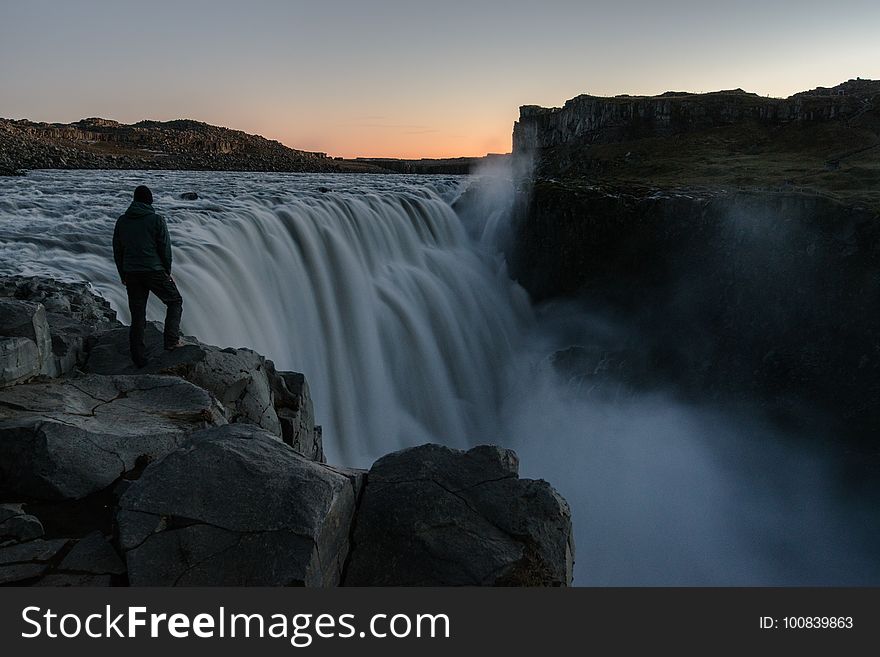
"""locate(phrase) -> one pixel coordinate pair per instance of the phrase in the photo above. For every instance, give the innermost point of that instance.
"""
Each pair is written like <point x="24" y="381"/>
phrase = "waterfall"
<point x="376" y="294"/>
<point x="401" y="314"/>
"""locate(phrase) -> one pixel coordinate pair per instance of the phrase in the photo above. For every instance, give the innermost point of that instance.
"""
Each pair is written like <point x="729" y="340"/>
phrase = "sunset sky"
<point x="407" y="78"/>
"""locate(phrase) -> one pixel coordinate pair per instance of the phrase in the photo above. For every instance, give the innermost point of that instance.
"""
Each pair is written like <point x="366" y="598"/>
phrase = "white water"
<point x="408" y="329"/>
<point x="371" y="289"/>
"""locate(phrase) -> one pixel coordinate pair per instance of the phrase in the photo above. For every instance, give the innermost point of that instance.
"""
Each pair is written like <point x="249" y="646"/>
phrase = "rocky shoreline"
<point x="207" y="468"/>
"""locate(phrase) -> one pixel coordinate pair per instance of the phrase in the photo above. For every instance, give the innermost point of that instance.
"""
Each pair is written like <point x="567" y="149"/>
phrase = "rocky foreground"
<point x="206" y="468"/>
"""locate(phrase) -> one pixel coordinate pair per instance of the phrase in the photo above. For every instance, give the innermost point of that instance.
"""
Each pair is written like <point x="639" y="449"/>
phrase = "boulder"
<point x="435" y="516"/>
<point x="28" y="560"/>
<point x="296" y="414"/>
<point x="188" y="196"/>
<point x="31" y="353"/>
<point x="69" y="438"/>
<point x="74" y="315"/>
<point x="89" y="561"/>
<point x="16" y="526"/>
<point x="72" y="300"/>
<point x="93" y="555"/>
<point x="20" y="360"/>
<point x="234" y="506"/>
<point x="70" y="339"/>
<point x="237" y="377"/>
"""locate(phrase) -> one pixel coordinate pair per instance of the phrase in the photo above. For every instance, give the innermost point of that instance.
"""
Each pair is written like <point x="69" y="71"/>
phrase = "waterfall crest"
<point x="378" y="296"/>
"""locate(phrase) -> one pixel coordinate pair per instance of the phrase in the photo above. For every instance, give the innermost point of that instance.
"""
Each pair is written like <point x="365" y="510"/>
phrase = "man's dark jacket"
<point x="141" y="241"/>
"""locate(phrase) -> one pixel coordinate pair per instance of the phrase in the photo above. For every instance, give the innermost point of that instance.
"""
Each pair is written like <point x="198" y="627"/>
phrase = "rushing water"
<point x="371" y="289"/>
<point x="402" y="317"/>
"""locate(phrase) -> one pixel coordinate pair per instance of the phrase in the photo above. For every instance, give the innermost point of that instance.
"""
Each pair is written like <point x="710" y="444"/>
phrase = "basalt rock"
<point x="59" y="335"/>
<point x="29" y="560"/>
<point x="588" y="119"/>
<point x="94" y="555"/>
<point x="88" y="561"/>
<point x="293" y="403"/>
<point x="25" y="342"/>
<point x="237" y="377"/>
<point x="435" y="516"/>
<point x="235" y="506"/>
<point x="73" y="301"/>
<point x="16" y="526"/>
<point x="20" y="360"/>
<point x="69" y="438"/>
<point x="147" y="454"/>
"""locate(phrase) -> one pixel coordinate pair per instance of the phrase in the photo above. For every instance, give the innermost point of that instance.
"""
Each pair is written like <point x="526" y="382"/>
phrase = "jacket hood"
<point x="138" y="209"/>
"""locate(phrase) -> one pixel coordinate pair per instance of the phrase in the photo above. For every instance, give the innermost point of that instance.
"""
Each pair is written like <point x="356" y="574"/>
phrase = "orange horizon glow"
<point x="402" y="148"/>
<point x="419" y="132"/>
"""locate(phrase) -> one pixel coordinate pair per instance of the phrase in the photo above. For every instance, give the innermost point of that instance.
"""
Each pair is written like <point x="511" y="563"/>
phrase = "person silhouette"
<point x="142" y="251"/>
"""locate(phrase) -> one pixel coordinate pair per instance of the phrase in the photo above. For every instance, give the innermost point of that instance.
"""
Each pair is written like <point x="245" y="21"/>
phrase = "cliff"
<point x="734" y="238"/>
<point x="592" y="119"/>
<point x="206" y="468"/>
<point x="826" y="140"/>
<point x="758" y="297"/>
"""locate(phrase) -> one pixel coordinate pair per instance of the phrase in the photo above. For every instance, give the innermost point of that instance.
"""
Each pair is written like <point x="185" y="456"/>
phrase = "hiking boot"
<point x="176" y="345"/>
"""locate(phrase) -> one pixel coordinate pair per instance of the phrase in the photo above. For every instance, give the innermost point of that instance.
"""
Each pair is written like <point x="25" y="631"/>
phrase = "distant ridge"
<point x="181" y="144"/>
<point x="97" y="143"/>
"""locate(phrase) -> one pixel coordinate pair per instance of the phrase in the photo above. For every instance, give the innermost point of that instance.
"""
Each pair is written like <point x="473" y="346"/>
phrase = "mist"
<point x="668" y="487"/>
<point x="666" y="492"/>
<point x="393" y="296"/>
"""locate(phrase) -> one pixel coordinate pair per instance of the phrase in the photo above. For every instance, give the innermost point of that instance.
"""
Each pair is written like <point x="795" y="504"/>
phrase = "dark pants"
<point x="139" y="285"/>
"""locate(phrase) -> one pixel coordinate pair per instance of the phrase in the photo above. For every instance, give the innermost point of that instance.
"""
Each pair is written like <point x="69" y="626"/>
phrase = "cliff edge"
<point x="735" y="238"/>
<point x="824" y="141"/>
<point x="206" y="468"/>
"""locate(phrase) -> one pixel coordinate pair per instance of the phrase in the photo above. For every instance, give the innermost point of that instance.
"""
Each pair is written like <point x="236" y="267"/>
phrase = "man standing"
<point x="142" y="251"/>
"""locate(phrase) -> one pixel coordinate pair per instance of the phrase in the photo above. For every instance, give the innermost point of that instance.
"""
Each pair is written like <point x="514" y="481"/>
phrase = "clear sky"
<point x="408" y="78"/>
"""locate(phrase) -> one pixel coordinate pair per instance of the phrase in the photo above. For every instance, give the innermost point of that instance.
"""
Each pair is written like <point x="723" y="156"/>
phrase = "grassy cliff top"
<point x="838" y="156"/>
